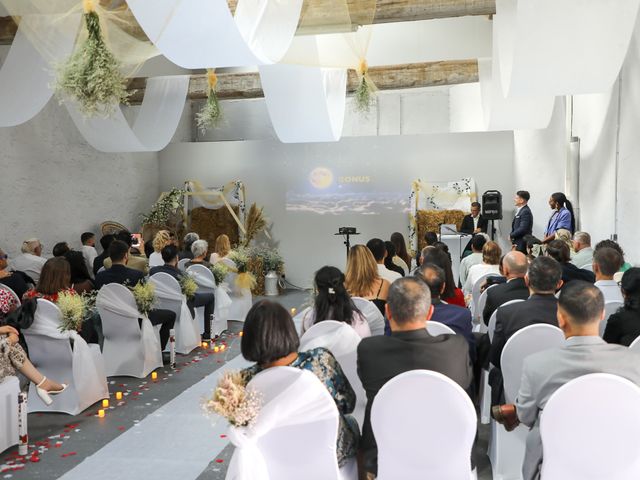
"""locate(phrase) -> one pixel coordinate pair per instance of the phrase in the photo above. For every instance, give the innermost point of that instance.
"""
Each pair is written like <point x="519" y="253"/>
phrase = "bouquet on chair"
<point x="232" y="400"/>
<point x="220" y="271"/>
<point x="189" y="286"/>
<point x="74" y="309"/>
<point x="145" y="296"/>
<point x="244" y="280"/>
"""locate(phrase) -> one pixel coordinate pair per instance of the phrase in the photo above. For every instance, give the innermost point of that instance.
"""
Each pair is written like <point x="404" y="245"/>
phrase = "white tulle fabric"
<point x="154" y="126"/>
<point x="203" y="33"/>
<point x="89" y="375"/>
<point x="27" y="76"/>
<point x="202" y="276"/>
<point x="292" y="398"/>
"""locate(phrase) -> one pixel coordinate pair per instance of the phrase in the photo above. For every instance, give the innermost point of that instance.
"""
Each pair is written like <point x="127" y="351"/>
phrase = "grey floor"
<point x="63" y="441"/>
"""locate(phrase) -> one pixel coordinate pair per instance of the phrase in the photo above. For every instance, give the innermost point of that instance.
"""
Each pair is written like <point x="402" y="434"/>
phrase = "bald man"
<point x="514" y="266"/>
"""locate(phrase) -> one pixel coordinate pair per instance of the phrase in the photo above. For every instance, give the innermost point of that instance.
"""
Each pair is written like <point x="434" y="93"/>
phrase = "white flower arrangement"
<point x="233" y="401"/>
<point x="164" y="207"/>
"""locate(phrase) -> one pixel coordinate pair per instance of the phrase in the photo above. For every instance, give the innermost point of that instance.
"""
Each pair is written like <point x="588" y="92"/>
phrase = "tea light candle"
<point x="293" y="311"/>
<point x="154" y="376"/>
<point x="118" y="395"/>
<point x="216" y="349"/>
<point x="222" y="347"/>
<point x="241" y="333"/>
<point x="100" y="413"/>
<point x="205" y="345"/>
<point x="105" y="402"/>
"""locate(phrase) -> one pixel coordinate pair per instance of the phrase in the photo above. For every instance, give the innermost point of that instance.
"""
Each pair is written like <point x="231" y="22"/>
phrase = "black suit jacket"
<point x="623" y="327"/>
<point x="381" y="358"/>
<point x="511" y="318"/>
<point x="98" y="262"/>
<point x="119" y="274"/>
<point x="515" y="289"/>
<point x="522" y="225"/>
<point x="173" y="271"/>
<point x="571" y="272"/>
<point x="17" y="282"/>
<point x="467" y="224"/>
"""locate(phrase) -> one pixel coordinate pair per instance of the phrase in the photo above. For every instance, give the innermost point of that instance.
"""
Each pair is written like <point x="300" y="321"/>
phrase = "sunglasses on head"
<point x="4" y="257"/>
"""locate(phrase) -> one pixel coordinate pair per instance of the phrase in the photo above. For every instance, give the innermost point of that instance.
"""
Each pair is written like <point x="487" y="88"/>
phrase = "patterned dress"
<point x="323" y="365"/>
<point x="12" y="356"/>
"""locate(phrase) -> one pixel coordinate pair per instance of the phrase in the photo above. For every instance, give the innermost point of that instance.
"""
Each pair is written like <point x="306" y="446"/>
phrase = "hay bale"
<point x="430" y="221"/>
<point x="209" y="223"/>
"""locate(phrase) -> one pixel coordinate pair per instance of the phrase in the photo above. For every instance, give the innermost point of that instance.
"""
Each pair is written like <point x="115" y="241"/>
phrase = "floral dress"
<point x="323" y="365"/>
<point x="12" y="356"/>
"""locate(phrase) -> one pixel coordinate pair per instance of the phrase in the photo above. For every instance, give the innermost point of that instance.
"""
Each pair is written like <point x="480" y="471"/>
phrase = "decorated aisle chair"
<point x="206" y="282"/>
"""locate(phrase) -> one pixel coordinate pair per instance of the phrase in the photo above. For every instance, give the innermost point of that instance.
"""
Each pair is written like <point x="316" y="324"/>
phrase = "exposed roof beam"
<point x="393" y="77"/>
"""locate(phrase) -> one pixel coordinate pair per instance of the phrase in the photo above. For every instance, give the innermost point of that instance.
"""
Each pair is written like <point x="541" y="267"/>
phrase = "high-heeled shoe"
<point x="45" y="395"/>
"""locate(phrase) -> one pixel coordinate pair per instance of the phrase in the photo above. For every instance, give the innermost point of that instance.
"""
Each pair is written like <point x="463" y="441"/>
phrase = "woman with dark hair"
<point x="611" y="244"/>
<point x="389" y="259"/>
<point x="439" y="257"/>
<point x="623" y="327"/>
<point x="54" y="278"/>
<point x="562" y="217"/>
<point x="402" y="260"/>
<point x="80" y="279"/>
<point x="270" y="340"/>
<point x="332" y="302"/>
<point x="559" y="251"/>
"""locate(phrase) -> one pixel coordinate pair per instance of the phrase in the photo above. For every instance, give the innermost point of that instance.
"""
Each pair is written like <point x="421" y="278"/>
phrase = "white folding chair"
<point x="436" y="328"/>
<point x="506" y="449"/>
<point x="478" y="324"/>
<point x="583" y="437"/>
<point x="635" y="345"/>
<point x="475" y="292"/>
<point x="65" y="357"/>
<point x="371" y="313"/>
<point x="295" y="434"/>
<point x="424" y="424"/>
<point x="11" y="292"/>
<point x="342" y="341"/>
<point x="203" y="276"/>
<point x="182" y="264"/>
<point x="610" y="308"/>
<point x="241" y="298"/>
<point x="169" y="297"/>
<point x="129" y="349"/>
<point x="9" y="390"/>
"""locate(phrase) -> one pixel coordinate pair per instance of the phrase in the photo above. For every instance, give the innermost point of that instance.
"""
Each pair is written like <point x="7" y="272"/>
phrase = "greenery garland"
<point x="91" y="75"/>
<point x="164" y="207"/>
<point x="211" y="113"/>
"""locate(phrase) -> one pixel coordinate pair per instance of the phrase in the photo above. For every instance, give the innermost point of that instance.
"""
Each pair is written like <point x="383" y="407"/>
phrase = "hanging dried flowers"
<point x="364" y="95"/>
<point x="161" y="210"/>
<point x="233" y="401"/>
<point x="211" y="113"/>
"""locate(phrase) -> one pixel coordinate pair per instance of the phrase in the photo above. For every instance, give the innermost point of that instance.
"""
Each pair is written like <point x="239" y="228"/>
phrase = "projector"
<point x="347" y="230"/>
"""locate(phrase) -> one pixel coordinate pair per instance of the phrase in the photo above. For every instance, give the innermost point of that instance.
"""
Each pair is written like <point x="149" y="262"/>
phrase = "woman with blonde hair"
<point x="491" y="253"/>
<point x="161" y="240"/>
<point x="362" y="279"/>
<point x="223" y="247"/>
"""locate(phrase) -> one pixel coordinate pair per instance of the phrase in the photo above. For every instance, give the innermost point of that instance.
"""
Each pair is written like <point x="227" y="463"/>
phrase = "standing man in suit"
<point x="409" y="347"/>
<point x="474" y="223"/>
<point x="514" y="267"/>
<point x="522" y="222"/>
<point x="580" y="311"/>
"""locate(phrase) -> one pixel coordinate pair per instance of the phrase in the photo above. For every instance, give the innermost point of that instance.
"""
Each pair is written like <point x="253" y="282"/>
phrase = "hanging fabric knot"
<point x="363" y="68"/>
<point x="212" y="79"/>
<point x="88" y="6"/>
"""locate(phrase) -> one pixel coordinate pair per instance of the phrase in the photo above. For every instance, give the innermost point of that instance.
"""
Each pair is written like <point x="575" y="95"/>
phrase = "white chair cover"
<point x="295" y="434"/>
<point x="610" y="308"/>
<point x="506" y="450"/>
<point x="128" y="350"/>
<point x="182" y="264"/>
<point x="635" y="345"/>
<point x="475" y="293"/>
<point x="477" y="315"/>
<point x="371" y="313"/>
<point x="587" y="266"/>
<point x="299" y="318"/>
<point x="430" y="435"/>
<point x="241" y="298"/>
<point x="9" y="390"/>
<point x="11" y="292"/>
<point x="80" y="366"/>
<point x="589" y="430"/>
<point x="169" y="296"/>
<point x="492" y="320"/>
<point x="437" y="328"/>
<point x="205" y="280"/>
<point x="342" y="341"/>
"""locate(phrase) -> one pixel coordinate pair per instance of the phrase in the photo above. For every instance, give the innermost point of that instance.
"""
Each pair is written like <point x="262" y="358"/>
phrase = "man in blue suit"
<point x="522" y="222"/>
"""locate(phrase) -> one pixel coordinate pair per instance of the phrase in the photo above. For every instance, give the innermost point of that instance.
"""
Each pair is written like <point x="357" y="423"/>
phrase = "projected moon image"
<point x="321" y="178"/>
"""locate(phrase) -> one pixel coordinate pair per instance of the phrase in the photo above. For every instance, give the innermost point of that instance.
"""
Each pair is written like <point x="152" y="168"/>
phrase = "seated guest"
<point x="477" y="243"/>
<point x="80" y="278"/>
<point x="606" y="263"/>
<point x="409" y="347"/>
<point x="31" y="261"/>
<point x="402" y="258"/>
<point x="135" y="261"/>
<point x="430" y="239"/>
<point x="522" y="224"/>
<point x="54" y="278"/>
<point x="623" y="327"/>
<point x="161" y="240"/>
<point x="60" y="248"/>
<point x="535" y="248"/>
<point x="199" y="249"/>
<point x="491" y="254"/>
<point x="98" y="263"/>
<point x="458" y="318"/>
<point x="332" y="302"/>
<point x="16" y="281"/>
<point x="120" y="273"/>
<point x="200" y="299"/>
<point x="582" y="247"/>
<point x="147" y="247"/>
<point x="223" y="247"/>
<point x="362" y="278"/>
<point x="89" y="253"/>
<point x="270" y="340"/>
<point x="451" y="294"/>
<point x="388" y="260"/>
<point x="580" y="311"/>
<point x="611" y="244"/>
<point x="514" y="268"/>
<point x="187" y="241"/>
<point x="379" y="252"/>
<point x="558" y="250"/>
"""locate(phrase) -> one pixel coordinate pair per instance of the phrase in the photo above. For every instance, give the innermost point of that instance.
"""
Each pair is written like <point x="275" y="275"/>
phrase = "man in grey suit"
<point x="580" y="311"/>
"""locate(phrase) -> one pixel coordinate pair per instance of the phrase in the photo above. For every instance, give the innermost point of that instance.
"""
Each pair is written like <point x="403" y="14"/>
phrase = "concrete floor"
<point x="69" y="440"/>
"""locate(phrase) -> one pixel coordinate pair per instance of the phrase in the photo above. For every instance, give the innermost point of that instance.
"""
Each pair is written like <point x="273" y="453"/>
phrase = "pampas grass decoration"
<point x="211" y="113"/>
<point x="254" y="223"/>
<point x="92" y="76"/>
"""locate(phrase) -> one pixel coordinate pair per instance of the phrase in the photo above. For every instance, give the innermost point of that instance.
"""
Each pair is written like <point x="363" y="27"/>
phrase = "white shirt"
<point x="389" y="275"/>
<point x="467" y="262"/>
<point x="475" y="222"/>
<point x="610" y="290"/>
<point x="155" y="260"/>
<point x="89" y="253"/>
<point x="29" y="264"/>
<point x="477" y="271"/>
<point x="401" y="263"/>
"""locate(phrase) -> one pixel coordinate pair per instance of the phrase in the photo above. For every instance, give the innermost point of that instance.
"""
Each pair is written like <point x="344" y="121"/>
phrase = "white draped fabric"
<point x="203" y="33"/>
<point x="27" y="77"/>
<point x="201" y="277"/>
<point x="154" y="126"/>
<point x="293" y="399"/>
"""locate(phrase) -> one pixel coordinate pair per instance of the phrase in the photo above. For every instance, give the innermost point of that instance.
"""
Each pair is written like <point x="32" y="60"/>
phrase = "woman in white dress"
<point x="161" y="240"/>
<point x="223" y="247"/>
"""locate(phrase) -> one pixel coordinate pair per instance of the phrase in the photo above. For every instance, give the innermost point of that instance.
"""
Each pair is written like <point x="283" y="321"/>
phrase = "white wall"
<point x="269" y="168"/>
